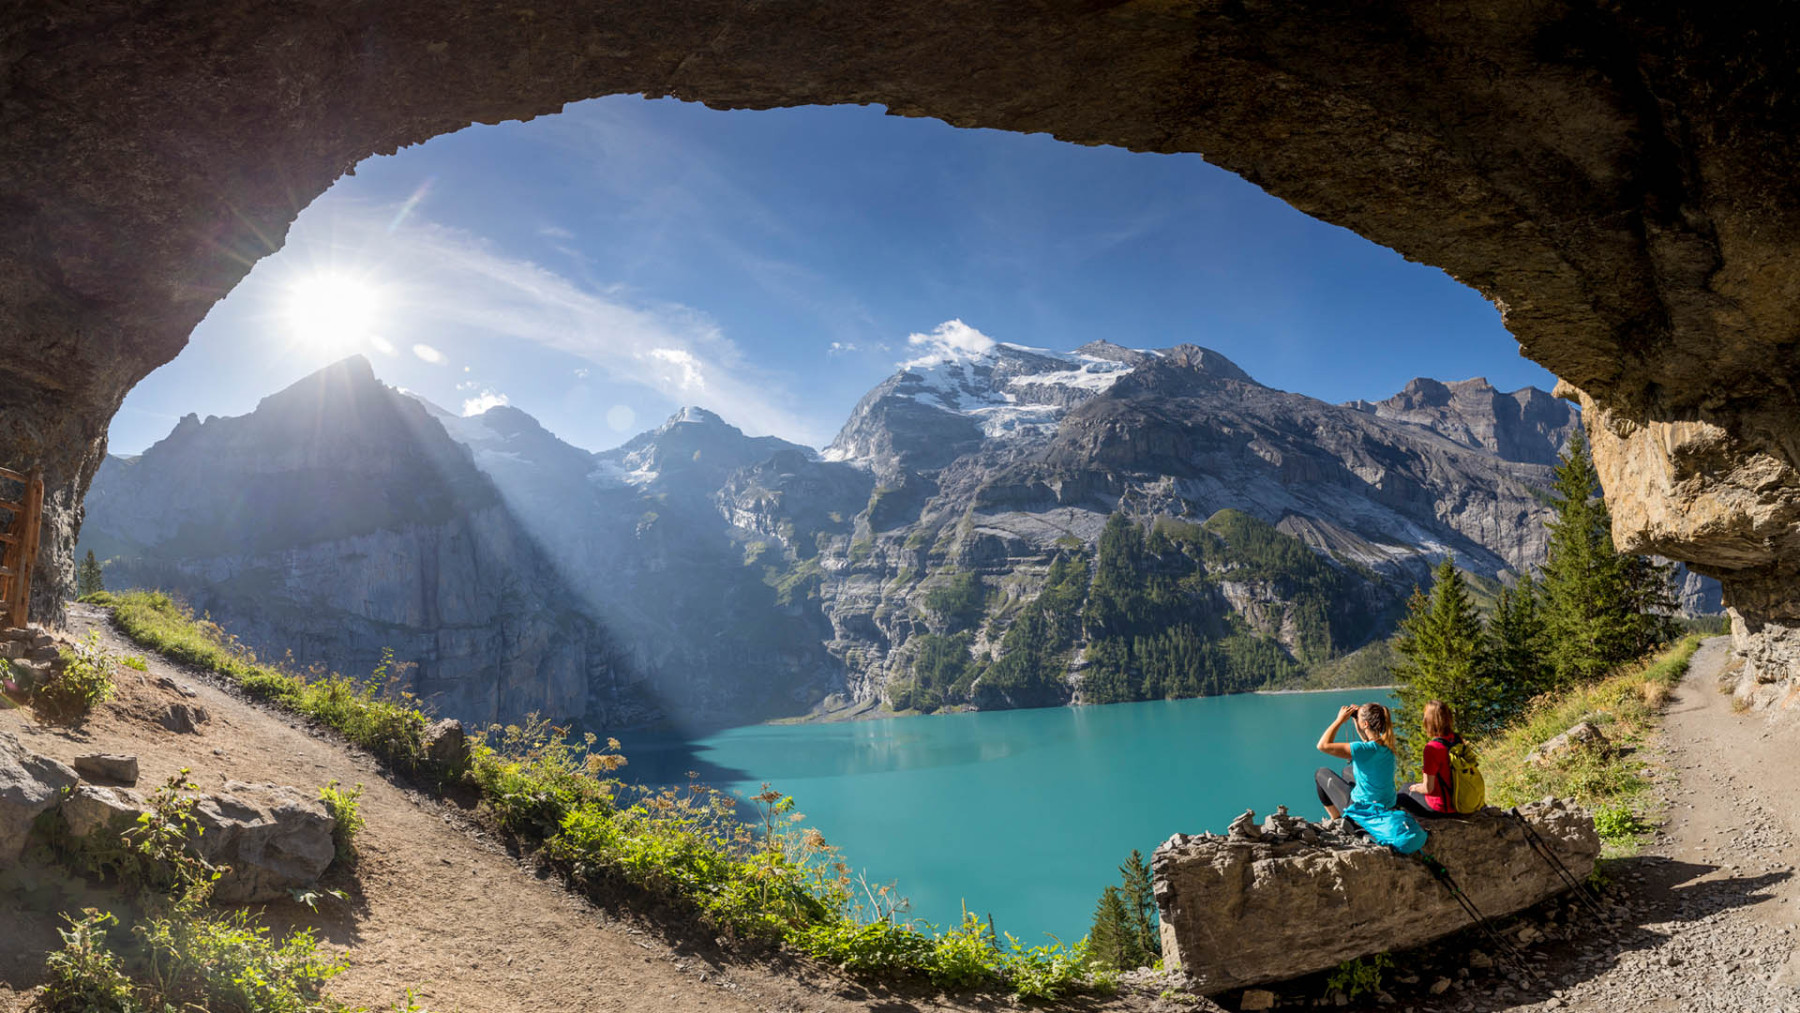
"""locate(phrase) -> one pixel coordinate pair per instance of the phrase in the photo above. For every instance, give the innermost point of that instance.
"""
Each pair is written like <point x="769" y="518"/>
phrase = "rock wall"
<point x="1337" y="899"/>
<point x="1617" y="178"/>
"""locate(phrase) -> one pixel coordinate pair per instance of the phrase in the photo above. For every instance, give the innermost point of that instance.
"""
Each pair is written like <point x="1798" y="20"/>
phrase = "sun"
<point x="332" y="310"/>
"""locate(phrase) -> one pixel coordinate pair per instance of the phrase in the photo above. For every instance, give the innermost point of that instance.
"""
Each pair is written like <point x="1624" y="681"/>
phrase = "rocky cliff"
<point x="339" y="519"/>
<point x="994" y="526"/>
<point x="996" y="462"/>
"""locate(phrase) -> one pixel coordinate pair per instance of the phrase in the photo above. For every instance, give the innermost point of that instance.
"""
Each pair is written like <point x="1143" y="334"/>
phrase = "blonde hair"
<point x="1440" y="720"/>
<point x="1377" y="723"/>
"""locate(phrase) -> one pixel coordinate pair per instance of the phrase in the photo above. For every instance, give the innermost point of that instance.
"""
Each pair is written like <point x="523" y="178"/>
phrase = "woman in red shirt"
<point x="1431" y="797"/>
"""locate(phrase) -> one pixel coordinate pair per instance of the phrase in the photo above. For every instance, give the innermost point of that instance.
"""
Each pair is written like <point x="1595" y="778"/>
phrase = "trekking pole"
<point x="1507" y="951"/>
<point x="1544" y="851"/>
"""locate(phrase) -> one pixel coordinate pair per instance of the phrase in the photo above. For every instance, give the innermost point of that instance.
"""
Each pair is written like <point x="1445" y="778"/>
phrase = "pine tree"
<point x="1140" y="910"/>
<point x="1516" y="647"/>
<point x="1595" y="602"/>
<point x="1107" y="940"/>
<point x="1443" y="649"/>
<point x="89" y="576"/>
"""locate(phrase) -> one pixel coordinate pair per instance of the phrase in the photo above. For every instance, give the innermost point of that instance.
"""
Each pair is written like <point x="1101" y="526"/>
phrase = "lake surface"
<point x="1022" y="814"/>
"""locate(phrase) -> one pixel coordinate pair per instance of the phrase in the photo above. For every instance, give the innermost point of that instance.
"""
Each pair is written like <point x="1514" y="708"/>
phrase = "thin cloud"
<point x="450" y="282"/>
<point x="840" y="347"/>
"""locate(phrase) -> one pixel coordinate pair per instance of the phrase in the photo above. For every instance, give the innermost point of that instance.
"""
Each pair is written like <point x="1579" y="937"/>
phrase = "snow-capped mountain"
<point x="726" y="578"/>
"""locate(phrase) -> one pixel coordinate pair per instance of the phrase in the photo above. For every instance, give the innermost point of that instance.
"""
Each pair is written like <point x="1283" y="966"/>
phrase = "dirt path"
<point x="437" y="907"/>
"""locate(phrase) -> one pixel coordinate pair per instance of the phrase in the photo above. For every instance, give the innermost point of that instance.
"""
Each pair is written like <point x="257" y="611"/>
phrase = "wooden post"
<point x="34" y="522"/>
<point x="21" y="546"/>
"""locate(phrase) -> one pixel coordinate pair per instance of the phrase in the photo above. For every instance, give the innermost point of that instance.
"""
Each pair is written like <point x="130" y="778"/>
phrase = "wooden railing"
<point x="19" y="544"/>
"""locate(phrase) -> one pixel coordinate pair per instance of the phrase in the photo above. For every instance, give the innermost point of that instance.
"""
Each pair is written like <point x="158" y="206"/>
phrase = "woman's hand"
<point x="1327" y="743"/>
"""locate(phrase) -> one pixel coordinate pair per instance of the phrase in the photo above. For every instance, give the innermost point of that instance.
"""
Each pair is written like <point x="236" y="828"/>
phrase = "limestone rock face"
<point x="97" y="809"/>
<point x="1528" y="424"/>
<point x="1336" y="901"/>
<point x="29" y="785"/>
<point x="339" y="519"/>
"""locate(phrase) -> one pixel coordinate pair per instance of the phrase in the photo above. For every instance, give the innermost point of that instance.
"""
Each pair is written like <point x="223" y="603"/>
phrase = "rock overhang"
<point x="1616" y="180"/>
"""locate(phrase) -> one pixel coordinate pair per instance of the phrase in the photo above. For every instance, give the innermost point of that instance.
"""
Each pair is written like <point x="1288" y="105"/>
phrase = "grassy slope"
<point x="1626" y="707"/>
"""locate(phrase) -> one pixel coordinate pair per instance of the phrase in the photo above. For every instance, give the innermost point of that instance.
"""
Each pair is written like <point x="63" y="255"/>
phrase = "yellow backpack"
<point x="1467" y="789"/>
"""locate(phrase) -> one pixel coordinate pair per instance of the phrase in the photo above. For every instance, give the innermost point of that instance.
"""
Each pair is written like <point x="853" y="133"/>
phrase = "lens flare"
<point x="332" y="310"/>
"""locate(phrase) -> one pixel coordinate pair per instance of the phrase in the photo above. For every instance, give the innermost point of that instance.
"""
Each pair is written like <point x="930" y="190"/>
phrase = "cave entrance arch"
<point x="1617" y="180"/>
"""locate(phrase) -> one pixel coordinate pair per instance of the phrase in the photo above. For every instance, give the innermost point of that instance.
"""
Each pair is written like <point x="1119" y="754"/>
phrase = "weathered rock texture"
<point x="1617" y="178"/>
<point x="1335" y="900"/>
<point x="268" y="838"/>
<point x="29" y="785"/>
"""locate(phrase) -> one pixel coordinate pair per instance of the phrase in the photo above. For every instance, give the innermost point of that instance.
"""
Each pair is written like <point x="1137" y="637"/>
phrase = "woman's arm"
<point x="1341" y="750"/>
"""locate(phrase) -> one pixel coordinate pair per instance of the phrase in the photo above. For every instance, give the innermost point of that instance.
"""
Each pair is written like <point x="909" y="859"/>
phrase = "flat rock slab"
<point x="117" y="768"/>
<point x="1239" y="911"/>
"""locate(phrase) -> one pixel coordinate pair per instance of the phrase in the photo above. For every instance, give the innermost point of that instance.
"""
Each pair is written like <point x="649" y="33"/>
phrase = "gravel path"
<point x="1707" y="919"/>
<point x="1722" y="902"/>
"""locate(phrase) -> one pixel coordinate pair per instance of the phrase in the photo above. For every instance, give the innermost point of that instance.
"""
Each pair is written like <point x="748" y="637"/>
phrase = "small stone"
<point x="119" y="768"/>
<point x="1440" y="986"/>
<point x="182" y="688"/>
<point x="1244" y="828"/>
<point x="184" y="718"/>
<point x="1257" y="999"/>
<point x="1480" y="959"/>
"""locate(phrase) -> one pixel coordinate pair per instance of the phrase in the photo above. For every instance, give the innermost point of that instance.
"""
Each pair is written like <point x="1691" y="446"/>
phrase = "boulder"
<point x="1583" y="734"/>
<point x="1344" y="898"/>
<point x="446" y="747"/>
<point x="29" y="784"/>
<point x="93" y="808"/>
<point x="184" y="718"/>
<point x="273" y="837"/>
<point x="119" y="768"/>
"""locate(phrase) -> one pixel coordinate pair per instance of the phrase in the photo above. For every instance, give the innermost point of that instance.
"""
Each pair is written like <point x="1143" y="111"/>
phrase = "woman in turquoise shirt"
<point x="1365" y="791"/>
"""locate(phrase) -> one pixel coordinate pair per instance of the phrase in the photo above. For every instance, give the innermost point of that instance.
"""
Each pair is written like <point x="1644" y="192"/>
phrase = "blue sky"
<point x="603" y="267"/>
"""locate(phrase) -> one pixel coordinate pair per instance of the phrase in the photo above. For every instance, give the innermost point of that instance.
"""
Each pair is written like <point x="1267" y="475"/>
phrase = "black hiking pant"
<point x="1334" y="790"/>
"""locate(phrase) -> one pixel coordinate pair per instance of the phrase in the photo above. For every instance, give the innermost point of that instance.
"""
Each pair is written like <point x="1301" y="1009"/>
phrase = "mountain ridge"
<point x="735" y="578"/>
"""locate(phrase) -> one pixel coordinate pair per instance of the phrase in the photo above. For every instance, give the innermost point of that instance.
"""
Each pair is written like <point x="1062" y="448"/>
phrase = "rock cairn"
<point x="32" y="657"/>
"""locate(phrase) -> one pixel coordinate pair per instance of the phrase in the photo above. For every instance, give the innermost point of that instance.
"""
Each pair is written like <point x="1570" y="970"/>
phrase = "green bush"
<point x="86" y="680"/>
<point x="1617" y="823"/>
<point x="1359" y="977"/>
<point x="86" y="975"/>
<point x="345" y="806"/>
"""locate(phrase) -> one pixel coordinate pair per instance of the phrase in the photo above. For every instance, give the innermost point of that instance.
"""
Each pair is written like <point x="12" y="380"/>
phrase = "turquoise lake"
<point x="1026" y="814"/>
